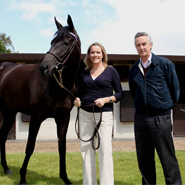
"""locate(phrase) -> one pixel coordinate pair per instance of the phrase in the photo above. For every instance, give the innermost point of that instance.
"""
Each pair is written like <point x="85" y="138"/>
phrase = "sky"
<point x="114" y="23"/>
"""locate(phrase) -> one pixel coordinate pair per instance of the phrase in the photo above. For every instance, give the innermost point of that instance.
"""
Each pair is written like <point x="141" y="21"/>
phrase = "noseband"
<point x="68" y="52"/>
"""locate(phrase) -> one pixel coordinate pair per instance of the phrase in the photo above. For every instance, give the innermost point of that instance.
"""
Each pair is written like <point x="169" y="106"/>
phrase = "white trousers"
<point x="106" y="173"/>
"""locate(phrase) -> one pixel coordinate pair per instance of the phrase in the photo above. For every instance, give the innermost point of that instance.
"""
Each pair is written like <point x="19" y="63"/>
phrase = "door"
<point x="179" y="109"/>
<point x="179" y="120"/>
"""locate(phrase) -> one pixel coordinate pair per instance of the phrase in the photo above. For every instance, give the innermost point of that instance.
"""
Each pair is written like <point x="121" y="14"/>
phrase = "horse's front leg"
<point x="62" y="125"/>
<point x="33" y="131"/>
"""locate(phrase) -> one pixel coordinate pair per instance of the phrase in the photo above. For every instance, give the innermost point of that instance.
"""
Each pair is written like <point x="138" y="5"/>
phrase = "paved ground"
<point x="14" y="146"/>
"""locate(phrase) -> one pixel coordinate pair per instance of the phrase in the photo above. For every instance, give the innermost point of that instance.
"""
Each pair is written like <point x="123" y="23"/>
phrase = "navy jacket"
<point x="158" y="91"/>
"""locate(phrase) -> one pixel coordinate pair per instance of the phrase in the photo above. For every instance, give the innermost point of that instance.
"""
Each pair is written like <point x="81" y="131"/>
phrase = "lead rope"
<point x="95" y="133"/>
<point x="60" y="83"/>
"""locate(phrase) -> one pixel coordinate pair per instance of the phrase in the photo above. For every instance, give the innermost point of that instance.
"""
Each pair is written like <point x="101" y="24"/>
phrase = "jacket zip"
<point x="145" y="96"/>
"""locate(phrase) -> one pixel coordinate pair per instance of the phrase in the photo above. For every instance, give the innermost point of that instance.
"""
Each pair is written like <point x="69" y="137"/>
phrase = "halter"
<point x="68" y="52"/>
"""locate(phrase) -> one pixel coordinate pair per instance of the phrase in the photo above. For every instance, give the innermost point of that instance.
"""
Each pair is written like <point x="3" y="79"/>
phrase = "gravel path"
<point x="13" y="146"/>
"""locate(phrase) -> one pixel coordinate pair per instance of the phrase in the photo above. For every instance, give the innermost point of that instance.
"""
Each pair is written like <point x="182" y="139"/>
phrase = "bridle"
<point x="62" y="61"/>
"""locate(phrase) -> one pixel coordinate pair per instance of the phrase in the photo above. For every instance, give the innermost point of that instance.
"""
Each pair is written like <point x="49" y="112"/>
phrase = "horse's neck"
<point x="70" y="75"/>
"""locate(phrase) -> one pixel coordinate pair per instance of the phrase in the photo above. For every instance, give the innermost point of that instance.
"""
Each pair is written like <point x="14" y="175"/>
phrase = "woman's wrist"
<point x="109" y="99"/>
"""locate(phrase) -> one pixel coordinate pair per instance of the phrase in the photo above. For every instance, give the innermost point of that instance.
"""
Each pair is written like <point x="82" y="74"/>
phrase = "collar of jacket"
<point x="154" y="61"/>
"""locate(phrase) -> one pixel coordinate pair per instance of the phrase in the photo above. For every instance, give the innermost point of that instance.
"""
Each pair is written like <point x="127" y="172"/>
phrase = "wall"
<point x="48" y="127"/>
<point x="48" y="130"/>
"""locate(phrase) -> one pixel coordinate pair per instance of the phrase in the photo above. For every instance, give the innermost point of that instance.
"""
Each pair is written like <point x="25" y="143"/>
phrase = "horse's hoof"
<point x="24" y="183"/>
<point x="8" y="172"/>
<point x="69" y="183"/>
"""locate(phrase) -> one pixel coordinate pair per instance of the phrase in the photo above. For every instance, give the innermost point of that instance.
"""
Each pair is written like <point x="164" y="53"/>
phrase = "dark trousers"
<point x="155" y="133"/>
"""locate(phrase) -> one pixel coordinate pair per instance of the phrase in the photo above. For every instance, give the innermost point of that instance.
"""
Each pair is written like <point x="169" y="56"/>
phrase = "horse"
<point x="44" y="90"/>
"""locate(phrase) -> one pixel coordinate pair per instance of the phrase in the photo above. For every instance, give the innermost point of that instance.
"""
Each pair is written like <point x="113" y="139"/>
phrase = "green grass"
<point x="43" y="168"/>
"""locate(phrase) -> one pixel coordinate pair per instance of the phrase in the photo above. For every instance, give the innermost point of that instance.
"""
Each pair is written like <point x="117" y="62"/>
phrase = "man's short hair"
<point x="139" y="34"/>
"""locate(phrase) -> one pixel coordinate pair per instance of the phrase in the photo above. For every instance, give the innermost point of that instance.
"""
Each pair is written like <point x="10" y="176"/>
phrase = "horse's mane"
<point x="63" y="32"/>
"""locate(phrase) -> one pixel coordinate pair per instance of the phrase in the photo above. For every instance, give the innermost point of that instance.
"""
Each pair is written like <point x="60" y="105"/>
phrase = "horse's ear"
<point x="70" y="23"/>
<point x="58" y="24"/>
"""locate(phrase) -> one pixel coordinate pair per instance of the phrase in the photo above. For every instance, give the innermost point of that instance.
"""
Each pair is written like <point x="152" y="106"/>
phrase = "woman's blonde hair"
<point x="87" y="60"/>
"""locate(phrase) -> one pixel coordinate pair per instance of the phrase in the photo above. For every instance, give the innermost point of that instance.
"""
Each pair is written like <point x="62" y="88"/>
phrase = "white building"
<point x="48" y="127"/>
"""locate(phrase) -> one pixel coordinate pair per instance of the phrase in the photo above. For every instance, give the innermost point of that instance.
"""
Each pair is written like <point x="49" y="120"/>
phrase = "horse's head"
<point x="65" y="49"/>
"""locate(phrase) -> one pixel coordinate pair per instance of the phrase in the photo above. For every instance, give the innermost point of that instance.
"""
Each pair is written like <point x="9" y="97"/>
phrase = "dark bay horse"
<point x="34" y="91"/>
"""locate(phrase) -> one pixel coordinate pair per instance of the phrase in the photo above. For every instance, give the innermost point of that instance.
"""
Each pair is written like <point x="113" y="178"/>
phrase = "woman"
<point x="96" y="87"/>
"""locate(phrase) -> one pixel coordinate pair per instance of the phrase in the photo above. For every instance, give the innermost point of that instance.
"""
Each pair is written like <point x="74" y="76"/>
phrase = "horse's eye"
<point x="66" y="43"/>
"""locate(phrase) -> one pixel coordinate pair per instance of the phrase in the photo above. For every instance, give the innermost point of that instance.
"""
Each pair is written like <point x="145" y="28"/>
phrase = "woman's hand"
<point x="77" y="102"/>
<point x="100" y="102"/>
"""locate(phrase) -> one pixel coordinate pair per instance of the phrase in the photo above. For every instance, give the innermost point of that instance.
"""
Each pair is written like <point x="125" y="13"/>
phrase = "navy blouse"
<point x="102" y="86"/>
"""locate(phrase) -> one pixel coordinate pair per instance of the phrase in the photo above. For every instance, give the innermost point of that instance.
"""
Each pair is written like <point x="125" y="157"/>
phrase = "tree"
<point x="6" y="44"/>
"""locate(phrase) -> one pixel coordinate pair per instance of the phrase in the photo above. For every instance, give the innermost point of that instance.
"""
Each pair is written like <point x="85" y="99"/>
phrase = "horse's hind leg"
<point x="7" y="125"/>
<point x="33" y="131"/>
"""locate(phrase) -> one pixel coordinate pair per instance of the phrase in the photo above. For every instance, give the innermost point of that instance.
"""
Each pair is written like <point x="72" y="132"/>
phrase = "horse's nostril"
<point x="45" y="66"/>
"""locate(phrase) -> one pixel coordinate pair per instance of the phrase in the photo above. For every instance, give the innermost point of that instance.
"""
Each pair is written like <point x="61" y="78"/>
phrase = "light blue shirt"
<point x="149" y="61"/>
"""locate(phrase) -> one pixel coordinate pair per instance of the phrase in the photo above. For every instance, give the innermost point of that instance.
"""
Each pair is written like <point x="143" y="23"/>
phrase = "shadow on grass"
<point x="33" y="178"/>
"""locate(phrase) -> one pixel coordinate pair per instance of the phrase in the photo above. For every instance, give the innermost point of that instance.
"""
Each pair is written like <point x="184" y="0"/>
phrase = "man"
<point x="154" y="85"/>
